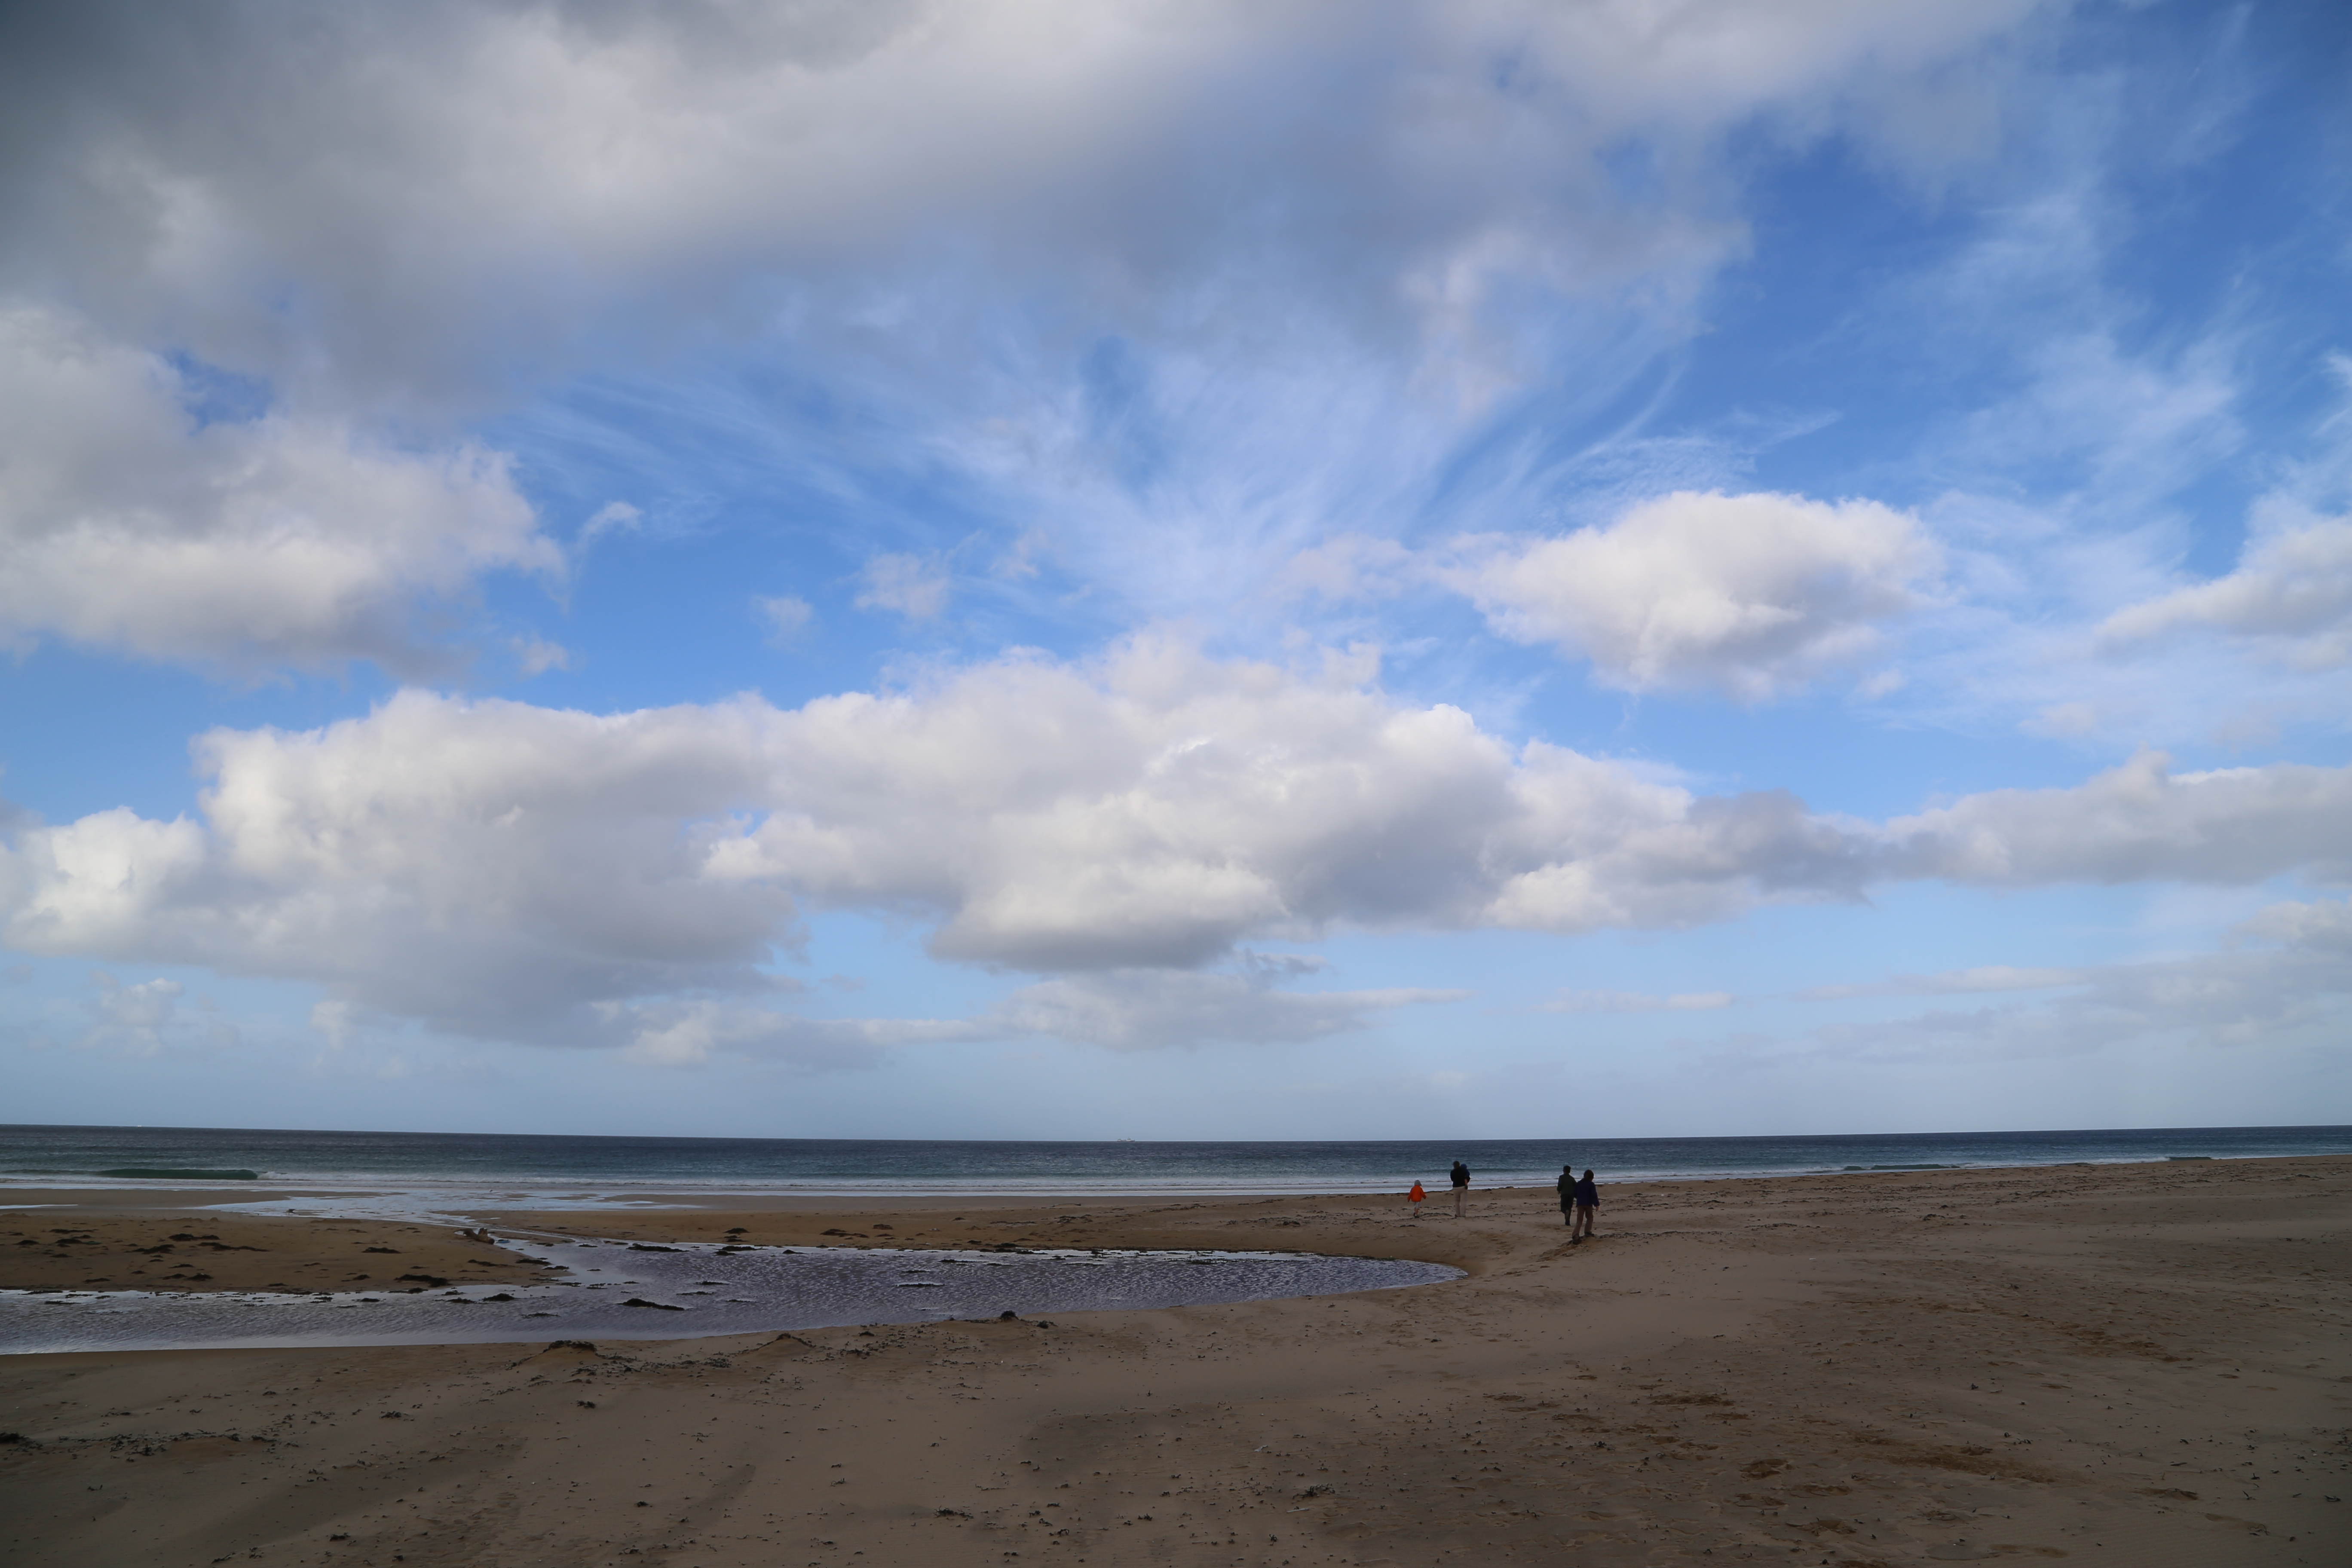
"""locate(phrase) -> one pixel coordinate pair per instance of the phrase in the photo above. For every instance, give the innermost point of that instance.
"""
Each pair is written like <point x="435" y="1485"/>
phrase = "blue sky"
<point x="1042" y="570"/>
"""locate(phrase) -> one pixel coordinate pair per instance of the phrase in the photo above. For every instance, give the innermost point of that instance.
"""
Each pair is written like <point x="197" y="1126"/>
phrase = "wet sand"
<point x="2146" y="1365"/>
<point x="116" y="1247"/>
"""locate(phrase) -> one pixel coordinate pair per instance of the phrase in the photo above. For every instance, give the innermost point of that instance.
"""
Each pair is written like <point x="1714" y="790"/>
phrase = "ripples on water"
<point x="691" y="1290"/>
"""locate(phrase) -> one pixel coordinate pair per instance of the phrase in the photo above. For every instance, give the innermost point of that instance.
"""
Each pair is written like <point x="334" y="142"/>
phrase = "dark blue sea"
<point x="475" y="1167"/>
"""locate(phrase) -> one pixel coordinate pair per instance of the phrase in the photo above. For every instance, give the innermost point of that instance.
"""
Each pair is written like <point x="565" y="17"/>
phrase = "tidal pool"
<point x="626" y="1290"/>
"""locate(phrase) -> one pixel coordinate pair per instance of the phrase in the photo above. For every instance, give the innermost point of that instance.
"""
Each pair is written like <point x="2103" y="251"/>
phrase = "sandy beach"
<point x="2140" y="1365"/>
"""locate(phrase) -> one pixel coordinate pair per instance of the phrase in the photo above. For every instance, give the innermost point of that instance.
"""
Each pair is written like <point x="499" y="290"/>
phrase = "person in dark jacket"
<point x="1588" y="1206"/>
<point x="1461" y="1186"/>
<point x="1567" y="1196"/>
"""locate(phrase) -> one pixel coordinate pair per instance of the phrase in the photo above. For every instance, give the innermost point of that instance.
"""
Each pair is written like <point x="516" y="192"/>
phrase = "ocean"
<point x="473" y="1167"/>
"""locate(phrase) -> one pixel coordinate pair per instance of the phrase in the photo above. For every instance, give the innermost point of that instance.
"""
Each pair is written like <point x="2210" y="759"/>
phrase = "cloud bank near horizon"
<point x="500" y="870"/>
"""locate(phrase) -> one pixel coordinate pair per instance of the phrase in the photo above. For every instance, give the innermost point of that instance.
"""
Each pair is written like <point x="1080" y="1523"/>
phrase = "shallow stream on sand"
<point x="630" y="1291"/>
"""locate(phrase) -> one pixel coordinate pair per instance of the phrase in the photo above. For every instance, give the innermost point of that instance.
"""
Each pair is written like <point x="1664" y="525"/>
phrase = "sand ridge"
<point x="2137" y="1364"/>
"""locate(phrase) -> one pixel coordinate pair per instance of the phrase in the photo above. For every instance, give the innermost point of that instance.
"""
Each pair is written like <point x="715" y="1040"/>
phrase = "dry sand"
<point x="2139" y="1365"/>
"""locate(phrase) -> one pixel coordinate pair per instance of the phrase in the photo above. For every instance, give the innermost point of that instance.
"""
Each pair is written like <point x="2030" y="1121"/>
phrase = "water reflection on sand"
<point x="632" y="1290"/>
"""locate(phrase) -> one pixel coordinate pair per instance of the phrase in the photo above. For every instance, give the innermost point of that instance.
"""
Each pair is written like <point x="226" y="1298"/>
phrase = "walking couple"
<point x="1580" y="1203"/>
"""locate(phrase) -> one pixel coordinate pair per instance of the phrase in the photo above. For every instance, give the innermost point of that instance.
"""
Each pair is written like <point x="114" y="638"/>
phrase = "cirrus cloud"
<point x="2291" y="595"/>
<point x="418" y="217"/>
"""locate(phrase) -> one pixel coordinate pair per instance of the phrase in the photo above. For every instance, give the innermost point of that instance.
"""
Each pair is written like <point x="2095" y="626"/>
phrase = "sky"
<point x="1222" y="569"/>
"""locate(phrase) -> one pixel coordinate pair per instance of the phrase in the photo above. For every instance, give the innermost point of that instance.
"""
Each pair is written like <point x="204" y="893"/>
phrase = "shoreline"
<point x="1877" y="1368"/>
<point x="1372" y="1226"/>
<point x="413" y="1200"/>
<point x="118" y="1239"/>
<point x="400" y="1175"/>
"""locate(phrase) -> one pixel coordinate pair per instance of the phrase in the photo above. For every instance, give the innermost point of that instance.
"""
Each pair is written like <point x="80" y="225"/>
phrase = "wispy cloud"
<point x="1637" y="1002"/>
<point x="1991" y="977"/>
<point x="914" y="587"/>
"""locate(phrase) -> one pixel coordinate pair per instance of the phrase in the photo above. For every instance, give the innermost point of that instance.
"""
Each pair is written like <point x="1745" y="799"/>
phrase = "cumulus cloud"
<point x="2291" y="595"/>
<point x="499" y="869"/>
<point x="1155" y="808"/>
<point x="126" y="523"/>
<point x="492" y="870"/>
<point x="1751" y="594"/>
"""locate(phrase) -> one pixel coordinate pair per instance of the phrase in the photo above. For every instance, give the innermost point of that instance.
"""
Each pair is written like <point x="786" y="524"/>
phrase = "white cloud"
<point x="195" y="177"/>
<point x="1135" y="1009"/>
<point x="787" y="616"/>
<point x="492" y="870"/>
<point x="1953" y="982"/>
<point x="126" y="1019"/>
<point x="1351" y="566"/>
<point x="1156" y="808"/>
<point x="1638" y="1001"/>
<point x="503" y="870"/>
<point x="935" y="215"/>
<point x="125" y="524"/>
<point x="2291" y="594"/>
<point x="612" y="517"/>
<point x="133" y="1020"/>
<point x="2325" y="927"/>
<point x="2282" y="999"/>
<point x="2137" y="823"/>
<point x="337" y="1021"/>
<point x="537" y="655"/>
<point x="2064" y="721"/>
<point x="688" y="1034"/>
<point x="1754" y="595"/>
<point x="915" y="586"/>
<point x="2135" y="429"/>
<point x="1120" y="1009"/>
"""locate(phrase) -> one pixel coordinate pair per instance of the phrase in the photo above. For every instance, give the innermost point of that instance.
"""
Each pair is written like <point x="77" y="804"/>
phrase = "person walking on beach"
<point x="1588" y="1206"/>
<point x="1461" y="1186"/>
<point x="1416" y="1196"/>
<point x="1568" y="1197"/>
